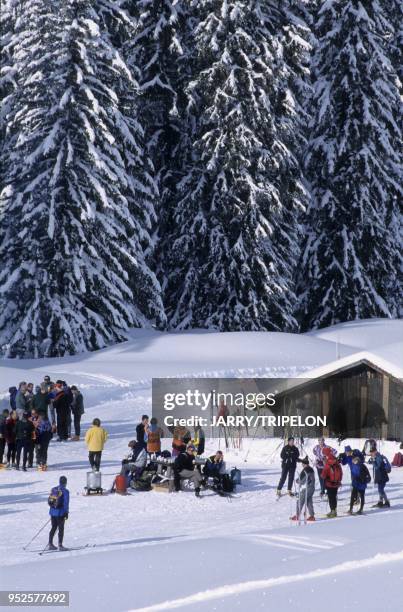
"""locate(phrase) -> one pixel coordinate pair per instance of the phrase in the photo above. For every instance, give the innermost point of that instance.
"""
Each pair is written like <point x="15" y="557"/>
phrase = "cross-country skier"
<point x="332" y="474"/>
<point x="59" y="511"/>
<point x="320" y="461"/>
<point x="306" y="481"/>
<point x="360" y="477"/>
<point x="381" y="469"/>
<point x="289" y="457"/>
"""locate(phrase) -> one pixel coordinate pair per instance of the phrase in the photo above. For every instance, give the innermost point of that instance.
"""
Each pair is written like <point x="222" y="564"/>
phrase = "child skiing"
<point x="382" y="468"/>
<point x="59" y="511"/>
<point x="332" y="474"/>
<point x="320" y="461"/>
<point x="360" y="477"/>
<point x="306" y="481"/>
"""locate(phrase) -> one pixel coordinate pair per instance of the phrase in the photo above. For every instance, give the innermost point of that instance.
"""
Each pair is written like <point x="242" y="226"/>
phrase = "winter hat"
<point x="290" y="438"/>
<point x="191" y="447"/>
<point x="63" y="480"/>
<point x="305" y="460"/>
<point x="347" y="449"/>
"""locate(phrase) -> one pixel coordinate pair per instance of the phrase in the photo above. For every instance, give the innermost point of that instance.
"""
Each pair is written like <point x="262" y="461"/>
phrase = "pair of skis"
<point x="47" y="551"/>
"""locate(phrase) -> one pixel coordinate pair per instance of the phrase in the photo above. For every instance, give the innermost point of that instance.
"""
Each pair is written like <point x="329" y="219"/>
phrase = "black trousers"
<point x="57" y="524"/>
<point x="2" y="447"/>
<point x="43" y="453"/>
<point x="321" y="481"/>
<point x="77" y="423"/>
<point x="31" y="447"/>
<point x="95" y="459"/>
<point x="332" y="497"/>
<point x="354" y="494"/>
<point x="290" y="472"/>
<point x="62" y="424"/>
<point x="24" y="447"/>
<point x="11" y="449"/>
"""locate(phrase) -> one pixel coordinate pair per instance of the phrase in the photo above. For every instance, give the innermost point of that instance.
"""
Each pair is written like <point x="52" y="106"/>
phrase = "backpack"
<point x="55" y="499"/>
<point x="140" y="485"/>
<point x="386" y="465"/>
<point x="227" y="484"/>
<point x="236" y="476"/>
<point x="365" y="476"/>
<point x="336" y="473"/>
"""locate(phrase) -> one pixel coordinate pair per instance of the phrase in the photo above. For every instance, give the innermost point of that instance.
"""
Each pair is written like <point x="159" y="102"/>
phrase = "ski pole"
<point x="36" y="535"/>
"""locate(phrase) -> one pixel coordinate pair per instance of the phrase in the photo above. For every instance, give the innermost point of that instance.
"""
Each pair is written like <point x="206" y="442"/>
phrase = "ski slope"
<point x="156" y="551"/>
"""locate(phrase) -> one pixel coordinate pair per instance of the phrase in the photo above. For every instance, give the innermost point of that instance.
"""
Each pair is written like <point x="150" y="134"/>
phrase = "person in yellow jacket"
<point x="95" y="439"/>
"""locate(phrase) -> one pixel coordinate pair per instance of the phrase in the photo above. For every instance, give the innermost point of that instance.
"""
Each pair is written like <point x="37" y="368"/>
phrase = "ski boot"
<point x="197" y="492"/>
<point x="310" y="519"/>
<point x="62" y="548"/>
<point x="386" y="504"/>
<point x="332" y="514"/>
<point x="378" y="504"/>
<point x="51" y="546"/>
<point x="358" y="513"/>
<point x="349" y="511"/>
<point x="278" y="492"/>
<point x="24" y="469"/>
<point x="294" y="518"/>
<point x="290" y="493"/>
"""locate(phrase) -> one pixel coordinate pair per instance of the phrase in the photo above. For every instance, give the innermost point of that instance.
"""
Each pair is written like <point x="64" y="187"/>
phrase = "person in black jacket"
<point x="184" y="467"/>
<point x="77" y="408"/>
<point x="61" y="403"/>
<point x="23" y="437"/>
<point x="289" y="457"/>
<point x="140" y="430"/>
<point x="3" y="418"/>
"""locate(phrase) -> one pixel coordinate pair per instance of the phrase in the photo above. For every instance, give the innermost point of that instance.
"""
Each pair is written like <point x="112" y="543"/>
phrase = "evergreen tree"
<point x="77" y="196"/>
<point x="352" y="255"/>
<point x="234" y="233"/>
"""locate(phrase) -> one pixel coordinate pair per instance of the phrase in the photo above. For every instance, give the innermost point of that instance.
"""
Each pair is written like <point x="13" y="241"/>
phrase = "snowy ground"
<point x="157" y="551"/>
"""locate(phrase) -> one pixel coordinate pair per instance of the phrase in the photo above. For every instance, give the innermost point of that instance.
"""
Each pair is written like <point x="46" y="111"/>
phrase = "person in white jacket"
<point x="320" y="460"/>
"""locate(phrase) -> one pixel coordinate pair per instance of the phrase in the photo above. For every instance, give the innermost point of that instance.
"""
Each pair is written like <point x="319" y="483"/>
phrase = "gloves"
<point x="66" y="516"/>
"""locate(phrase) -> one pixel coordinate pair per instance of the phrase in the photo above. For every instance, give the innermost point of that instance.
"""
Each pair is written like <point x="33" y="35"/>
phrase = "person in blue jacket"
<point x="381" y="469"/>
<point x="59" y="512"/>
<point x="360" y="477"/>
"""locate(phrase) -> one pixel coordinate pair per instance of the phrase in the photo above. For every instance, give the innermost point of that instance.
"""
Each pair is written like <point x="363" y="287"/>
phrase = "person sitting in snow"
<point x="320" y="461"/>
<point x="184" y="467"/>
<point x="215" y="465"/>
<point x="135" y="461"/>
<point x="306" y="482"/>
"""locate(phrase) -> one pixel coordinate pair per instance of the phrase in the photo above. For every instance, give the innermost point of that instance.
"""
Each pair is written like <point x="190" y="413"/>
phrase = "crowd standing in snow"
<point x="34" y="416"/>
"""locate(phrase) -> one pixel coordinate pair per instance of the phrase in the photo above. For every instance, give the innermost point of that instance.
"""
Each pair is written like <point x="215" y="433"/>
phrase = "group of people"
<point x="34" y="416"/>
<point x="329" y="465"/>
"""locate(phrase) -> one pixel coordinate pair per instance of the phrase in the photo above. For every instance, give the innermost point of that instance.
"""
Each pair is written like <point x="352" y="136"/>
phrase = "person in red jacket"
<point x="332" y="475"/>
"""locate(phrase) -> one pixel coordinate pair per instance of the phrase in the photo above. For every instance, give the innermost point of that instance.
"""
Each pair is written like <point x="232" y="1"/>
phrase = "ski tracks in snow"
<point x="230" y="590"/>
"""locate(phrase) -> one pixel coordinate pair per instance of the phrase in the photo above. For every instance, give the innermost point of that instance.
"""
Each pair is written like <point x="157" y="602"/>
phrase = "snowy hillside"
<point x="156" y="551"/>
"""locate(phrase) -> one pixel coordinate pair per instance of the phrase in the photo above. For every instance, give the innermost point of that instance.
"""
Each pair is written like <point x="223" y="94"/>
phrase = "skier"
<point x="289" y="456"/>
<point x="320" y="461"/>
<point x="184" y="467"/>
<point x="306" y="481"/>
<point x="140" y="430"/>
<point x="23" y="437"/>
<point x="360" y="477"/>
<point x="332" y="474"/>
<point x="59" y="512"/>
<point x="77" y="408"/>
<point x="382" y="468"/>
<point x="95" y="439"/>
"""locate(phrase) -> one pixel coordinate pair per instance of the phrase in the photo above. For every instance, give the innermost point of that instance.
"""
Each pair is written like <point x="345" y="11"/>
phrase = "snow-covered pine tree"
<point x="233" y="234"/>
<point x="76" y="204"/>
<point x="352" y="255"/>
